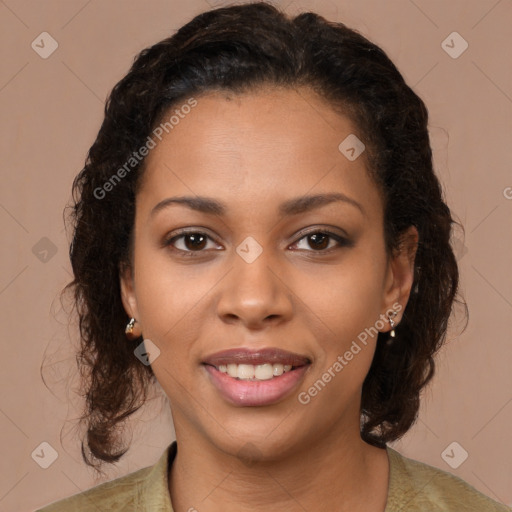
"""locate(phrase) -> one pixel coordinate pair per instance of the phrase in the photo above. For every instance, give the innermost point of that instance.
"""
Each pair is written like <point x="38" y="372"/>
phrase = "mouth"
<point x="254" y="378"/>
<point x="262" y="364"/>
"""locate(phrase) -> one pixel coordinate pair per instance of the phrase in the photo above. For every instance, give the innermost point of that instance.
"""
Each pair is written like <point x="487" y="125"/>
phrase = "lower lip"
<point x="250" y="393"/>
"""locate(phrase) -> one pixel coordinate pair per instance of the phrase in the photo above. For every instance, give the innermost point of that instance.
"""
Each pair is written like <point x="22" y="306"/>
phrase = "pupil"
<point x="323" y="242"/>
<point x="197" y="241"/>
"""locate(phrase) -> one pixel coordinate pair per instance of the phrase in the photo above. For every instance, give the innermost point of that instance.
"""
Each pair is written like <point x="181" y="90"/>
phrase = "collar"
<point x="154" y="496"/>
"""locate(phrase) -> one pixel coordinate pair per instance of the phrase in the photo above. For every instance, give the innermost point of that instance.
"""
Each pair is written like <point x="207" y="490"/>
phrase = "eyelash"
<point x="342" y="242"/>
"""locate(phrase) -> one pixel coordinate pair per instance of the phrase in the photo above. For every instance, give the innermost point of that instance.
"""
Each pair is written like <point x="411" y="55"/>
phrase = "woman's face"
<point x="232" y="277"/>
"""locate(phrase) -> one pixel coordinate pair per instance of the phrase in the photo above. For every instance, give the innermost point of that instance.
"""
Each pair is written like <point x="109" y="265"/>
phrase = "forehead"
<point x="269" y="144"/>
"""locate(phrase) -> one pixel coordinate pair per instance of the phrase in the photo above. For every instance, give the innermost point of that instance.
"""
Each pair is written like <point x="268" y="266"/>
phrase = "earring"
<point x="130" y="328"/>
<point x="392" y="315"/>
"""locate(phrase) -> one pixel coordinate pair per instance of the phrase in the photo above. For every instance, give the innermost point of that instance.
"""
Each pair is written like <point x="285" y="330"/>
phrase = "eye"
<point x="191" y="242"/>
<point x="321" y="241"/>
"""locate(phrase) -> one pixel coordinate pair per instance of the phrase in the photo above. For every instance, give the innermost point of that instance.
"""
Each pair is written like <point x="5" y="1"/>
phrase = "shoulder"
<point x="118" y="494"/>
<point x="145" y="489"/>
<point x="415" y="486"/>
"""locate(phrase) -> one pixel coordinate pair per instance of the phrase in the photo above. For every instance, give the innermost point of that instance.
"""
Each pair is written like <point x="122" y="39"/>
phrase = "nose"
<point x="255" y="294"/>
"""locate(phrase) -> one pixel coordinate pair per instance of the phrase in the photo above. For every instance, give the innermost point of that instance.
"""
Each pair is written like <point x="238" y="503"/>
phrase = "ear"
<point x="128" y="295"/>
<point x="400" y="276"/>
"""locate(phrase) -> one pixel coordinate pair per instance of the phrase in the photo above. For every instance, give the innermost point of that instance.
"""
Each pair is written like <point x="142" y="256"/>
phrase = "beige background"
<point x="51" y="111"/>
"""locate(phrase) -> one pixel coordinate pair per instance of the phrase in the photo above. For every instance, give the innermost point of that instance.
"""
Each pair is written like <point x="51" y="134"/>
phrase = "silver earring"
<point x="392" y="333"/>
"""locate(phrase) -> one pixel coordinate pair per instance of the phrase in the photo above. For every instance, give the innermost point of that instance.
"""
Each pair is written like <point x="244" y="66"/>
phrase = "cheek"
<point x="346" y="297"/>
<point x="347" y="315"/>
<point x="169" y="305"/>
<point x="171" y="308"/>
<point x="168" y="295"/>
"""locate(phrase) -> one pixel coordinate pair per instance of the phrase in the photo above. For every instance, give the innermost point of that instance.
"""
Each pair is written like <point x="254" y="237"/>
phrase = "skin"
<point x="253" y="152"/>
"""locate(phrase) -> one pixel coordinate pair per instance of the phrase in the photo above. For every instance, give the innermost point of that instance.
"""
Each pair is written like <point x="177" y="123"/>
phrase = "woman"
<point x="258" y="228"/>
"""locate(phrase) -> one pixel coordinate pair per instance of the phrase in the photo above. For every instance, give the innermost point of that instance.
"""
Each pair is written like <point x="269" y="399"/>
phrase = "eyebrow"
<point x="288" y="208"/>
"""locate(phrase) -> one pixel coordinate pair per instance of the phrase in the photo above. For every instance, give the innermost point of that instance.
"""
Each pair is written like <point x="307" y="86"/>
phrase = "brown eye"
<point x="195" y="241"/>
<point x="321" y="241"/>
<point x="318" y="240"/>
<point x="190" y="243"/>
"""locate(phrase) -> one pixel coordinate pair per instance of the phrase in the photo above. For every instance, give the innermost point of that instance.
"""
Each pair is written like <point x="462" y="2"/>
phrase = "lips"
<point x="253" y="391"/>
<point x="256" y="357"/>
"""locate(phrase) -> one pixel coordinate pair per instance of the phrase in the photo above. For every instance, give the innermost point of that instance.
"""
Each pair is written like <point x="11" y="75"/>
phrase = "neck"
<point x="339" y="471"/>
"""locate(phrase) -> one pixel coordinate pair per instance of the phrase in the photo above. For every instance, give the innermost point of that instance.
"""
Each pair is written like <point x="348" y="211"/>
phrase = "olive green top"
<point x="413" y="487"/>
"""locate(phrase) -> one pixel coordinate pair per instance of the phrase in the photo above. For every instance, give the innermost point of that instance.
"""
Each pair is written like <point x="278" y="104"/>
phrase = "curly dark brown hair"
<point x="239" y="49"/>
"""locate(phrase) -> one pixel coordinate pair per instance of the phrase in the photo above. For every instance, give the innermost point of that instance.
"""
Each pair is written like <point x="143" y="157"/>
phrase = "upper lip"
<point x="255" y="357"/>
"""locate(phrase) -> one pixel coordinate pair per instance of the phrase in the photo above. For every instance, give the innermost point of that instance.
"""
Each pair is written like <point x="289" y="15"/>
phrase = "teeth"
<point x="254" y="372"/>
<point x="277" y="369"/>
<point x="232" y="370"/>
<point x="245" y="371"/>
<point x="264" y="371"/>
